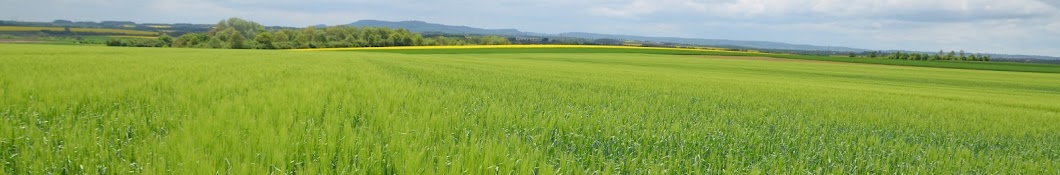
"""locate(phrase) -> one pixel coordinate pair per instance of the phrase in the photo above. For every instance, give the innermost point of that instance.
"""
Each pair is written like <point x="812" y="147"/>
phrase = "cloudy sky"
<point x="996" y="26"/>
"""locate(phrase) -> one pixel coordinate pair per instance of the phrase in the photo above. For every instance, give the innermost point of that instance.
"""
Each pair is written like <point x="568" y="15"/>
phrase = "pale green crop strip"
<point x="530" y="46"/>
<point x="103" y="110"/>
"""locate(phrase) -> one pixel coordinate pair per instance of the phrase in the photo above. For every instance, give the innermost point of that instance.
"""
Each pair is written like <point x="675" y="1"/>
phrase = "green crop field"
<point x="1000" y="66"/>
<point x="78" y="30"/>
<point x="105" y="110"/>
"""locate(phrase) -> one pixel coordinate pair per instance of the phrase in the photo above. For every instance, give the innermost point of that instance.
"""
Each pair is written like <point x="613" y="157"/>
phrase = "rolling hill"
<point x="421" y="27"/>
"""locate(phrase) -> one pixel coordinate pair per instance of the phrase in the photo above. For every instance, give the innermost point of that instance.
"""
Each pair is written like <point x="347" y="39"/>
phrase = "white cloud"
<point x="641" y="7"/>
<point x="185" y="6"/>
<point x="984" y="25"/>
<point x="913" y="10"/>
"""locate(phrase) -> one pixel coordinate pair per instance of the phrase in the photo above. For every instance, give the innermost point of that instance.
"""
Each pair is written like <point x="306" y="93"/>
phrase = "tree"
<point x="233" y="38"/>
<point x="335" y="33"/>
<point x="301" y="41"/>
<point x="951" y="56"/>
<point x="60" y="21"/>
<point x="215" y="42"/>
<point x="372" y="37"/>
<point x="248" y="29"/>
<point x="190" y="40"/>
<point x="264" y="40"/>
<point x="166" y="40"/>
<point x="417" y="39"/>
<point x="310" y="37"/>
<point x="963" y="57"/>
<point x="430" y="42"/>
<point x="494" y="40"/>
<point x="852" y="55"/>
<point x="237" y="41"/>
<point x="608" y="41"/>
<point x="241" y="34"/>
<point x="319" y="39"/>
<point x="281" y="36"/>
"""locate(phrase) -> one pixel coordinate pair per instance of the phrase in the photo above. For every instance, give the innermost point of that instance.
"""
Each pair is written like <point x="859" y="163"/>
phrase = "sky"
<point x="989" y="26"/>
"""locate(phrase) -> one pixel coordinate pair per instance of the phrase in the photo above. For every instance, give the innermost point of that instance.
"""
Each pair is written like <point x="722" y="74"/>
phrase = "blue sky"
<point x="996" y="26"/>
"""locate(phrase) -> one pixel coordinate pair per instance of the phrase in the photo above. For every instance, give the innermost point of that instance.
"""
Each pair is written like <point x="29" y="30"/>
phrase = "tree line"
<point x="941" y="55"/>
<point x="162" y="41"/>
<point x="235" y="33"/>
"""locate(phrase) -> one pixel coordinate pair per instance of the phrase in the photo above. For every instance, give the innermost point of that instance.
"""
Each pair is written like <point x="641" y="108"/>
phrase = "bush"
<point x="133" y="42"/>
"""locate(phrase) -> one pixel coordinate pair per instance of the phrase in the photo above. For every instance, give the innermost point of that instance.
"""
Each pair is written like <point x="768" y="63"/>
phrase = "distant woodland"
<point x="235" y="33"/>
<point x="951" y="56"/>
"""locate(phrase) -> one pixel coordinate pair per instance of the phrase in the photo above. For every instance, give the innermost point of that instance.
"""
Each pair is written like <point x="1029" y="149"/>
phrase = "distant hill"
<point x="422" y="27"/>
<point x="425" y="27"/>
<point x="717" y="42"/>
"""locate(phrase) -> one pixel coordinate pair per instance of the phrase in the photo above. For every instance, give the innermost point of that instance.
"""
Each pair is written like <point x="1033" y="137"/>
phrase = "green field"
<point x="78" y="30"/>
<point x="106" y="110"/>
<point x="1000" y="66"/>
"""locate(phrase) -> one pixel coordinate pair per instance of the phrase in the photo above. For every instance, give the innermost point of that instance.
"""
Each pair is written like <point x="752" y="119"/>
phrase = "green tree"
<point x="191" y="40"/>
<point x="309" y="33"/>
<point x="320" y="39"/>
<point x="281" y="36"/>
<point x="264" y="40"/>
<point x="248" y="29"/>
<point x="301" y="41"/>
<point x="215" y="42"/>
<point x="237" y="41"/>
<point x="335" y="33"/>
<point x="351" y="40"/>
<point x="233" y="38"/>
<point x="166" y="40"/>
<point x="372" y="38"/>
<point x="494" y="40"/>
<point x="430" y="42"/>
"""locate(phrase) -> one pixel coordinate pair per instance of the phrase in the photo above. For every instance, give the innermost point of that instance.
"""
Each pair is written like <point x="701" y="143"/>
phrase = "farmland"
<point x="101" y="110"/>
<point x="94" y="31"/>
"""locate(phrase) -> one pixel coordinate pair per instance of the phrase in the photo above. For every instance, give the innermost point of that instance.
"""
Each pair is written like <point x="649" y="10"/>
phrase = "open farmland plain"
<point x="103" y="110"/>
<point x="77" y="30"/>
